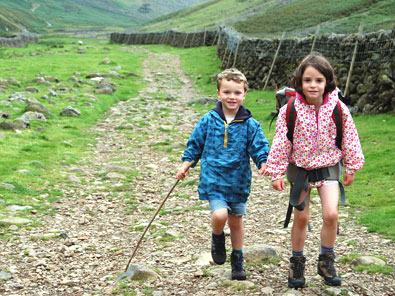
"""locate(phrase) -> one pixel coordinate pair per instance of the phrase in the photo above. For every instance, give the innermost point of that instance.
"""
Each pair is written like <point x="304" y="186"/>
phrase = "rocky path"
<point x="88" y="236"/>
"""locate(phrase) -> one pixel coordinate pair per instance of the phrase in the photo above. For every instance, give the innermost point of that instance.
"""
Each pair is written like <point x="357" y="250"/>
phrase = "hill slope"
<point x="50" y="15"/>
<point x="272" y="17"/>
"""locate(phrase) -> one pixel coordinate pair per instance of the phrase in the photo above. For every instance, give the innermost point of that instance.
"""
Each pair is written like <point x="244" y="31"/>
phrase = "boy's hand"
<point x="348" y="179"/>
<point x="183" y="171"/>
<point x="279" y="184"/>
<point x="262" y="169"/>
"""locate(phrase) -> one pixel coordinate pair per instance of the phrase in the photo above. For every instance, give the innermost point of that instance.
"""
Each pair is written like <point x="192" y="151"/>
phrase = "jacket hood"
<point x="242" y="114"/>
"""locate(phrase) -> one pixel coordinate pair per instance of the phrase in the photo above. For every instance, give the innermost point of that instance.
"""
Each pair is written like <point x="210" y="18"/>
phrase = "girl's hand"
<point x="348" y="179"/>
<point x="279" y="184"/>
<point x="262" y="169"/>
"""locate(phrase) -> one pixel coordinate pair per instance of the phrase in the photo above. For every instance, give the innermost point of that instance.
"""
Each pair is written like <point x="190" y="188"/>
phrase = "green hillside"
<point x="40" y="16"/>
<point x="272" y="17"/>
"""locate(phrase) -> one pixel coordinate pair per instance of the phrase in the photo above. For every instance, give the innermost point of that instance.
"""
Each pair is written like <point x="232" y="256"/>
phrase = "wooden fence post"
<point x="352" y="61"/>
<point x="274" y="61"/>
<point x="315" y="37"/>
<point x="237" y="49"/>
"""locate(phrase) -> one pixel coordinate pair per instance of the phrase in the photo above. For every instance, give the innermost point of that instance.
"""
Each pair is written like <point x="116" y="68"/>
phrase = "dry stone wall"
<point x="370" y="87"/>
<point x="19" y="40"/>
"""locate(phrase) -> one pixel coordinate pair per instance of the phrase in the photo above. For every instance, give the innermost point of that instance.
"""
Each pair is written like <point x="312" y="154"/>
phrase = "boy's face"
<point x="232" y="95"/>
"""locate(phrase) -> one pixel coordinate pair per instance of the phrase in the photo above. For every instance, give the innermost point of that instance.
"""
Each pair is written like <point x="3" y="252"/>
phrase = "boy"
<point x="224" y="139"/>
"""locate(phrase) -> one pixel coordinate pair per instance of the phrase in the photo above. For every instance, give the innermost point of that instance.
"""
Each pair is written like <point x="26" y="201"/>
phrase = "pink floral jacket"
<point x="314" y="139"/>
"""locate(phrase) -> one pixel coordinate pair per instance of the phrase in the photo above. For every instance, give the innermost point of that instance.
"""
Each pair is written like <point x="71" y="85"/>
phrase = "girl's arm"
<point x="351" y="147"/>
<point x="278" y="159"/>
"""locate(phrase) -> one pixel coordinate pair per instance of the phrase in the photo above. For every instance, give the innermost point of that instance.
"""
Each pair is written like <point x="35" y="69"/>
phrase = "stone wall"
<point x="173" y="38"/>
<point x="19" y="40"/>
<point x="371" y="86"/>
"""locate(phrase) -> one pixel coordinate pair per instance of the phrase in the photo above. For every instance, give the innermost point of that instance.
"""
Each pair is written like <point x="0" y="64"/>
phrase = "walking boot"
<point x="218" y="251"/>
<point x="326" y="269"/>
<point x="296" y="278"/>
<point x="237" y="262"/>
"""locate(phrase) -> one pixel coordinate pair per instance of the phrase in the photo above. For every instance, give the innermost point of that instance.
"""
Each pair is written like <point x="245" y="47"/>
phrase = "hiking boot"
<point x="326" y="269"/>
<point x="296" y="278"/>
<point x="218" y="251"/>
<point x="237" y="262"/>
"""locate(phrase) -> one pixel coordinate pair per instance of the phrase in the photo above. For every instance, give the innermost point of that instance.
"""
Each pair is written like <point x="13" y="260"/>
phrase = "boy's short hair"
<point x="321" y="64"/>
<point x="232" y="74"/>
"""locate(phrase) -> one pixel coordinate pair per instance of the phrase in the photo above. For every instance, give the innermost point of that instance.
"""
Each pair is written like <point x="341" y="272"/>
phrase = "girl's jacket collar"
<point x="242" y="114"/>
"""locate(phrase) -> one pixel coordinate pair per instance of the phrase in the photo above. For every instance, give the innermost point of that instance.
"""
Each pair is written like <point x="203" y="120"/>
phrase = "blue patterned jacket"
<point x="225" y="150"/>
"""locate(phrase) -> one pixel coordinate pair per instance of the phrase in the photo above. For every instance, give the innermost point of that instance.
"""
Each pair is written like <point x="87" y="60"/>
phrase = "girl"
<point x="314" y="160"/>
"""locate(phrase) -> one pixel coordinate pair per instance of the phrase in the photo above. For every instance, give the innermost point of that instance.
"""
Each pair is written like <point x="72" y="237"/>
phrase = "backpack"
<point x="288" y="96"/>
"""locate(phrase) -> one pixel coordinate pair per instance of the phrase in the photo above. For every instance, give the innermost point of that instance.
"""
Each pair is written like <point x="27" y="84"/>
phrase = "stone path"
<point x="88" y="236"/>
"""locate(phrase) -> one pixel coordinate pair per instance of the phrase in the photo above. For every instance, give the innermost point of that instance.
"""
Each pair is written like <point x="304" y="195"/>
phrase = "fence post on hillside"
<point x="204" y="37"/>
<point x="274" y="61"/>
<point x="215" y="38"/>
<point x="193" y="38"/>
<point x="185" y="40"/>
<point x="315" y="37"/>
<point x="353" y="61"/>
<point x="237" y="50"/>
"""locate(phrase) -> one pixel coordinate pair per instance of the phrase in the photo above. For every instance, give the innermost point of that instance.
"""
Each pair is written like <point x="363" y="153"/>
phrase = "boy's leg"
<point x="329" y="194"/>
<point x="236" y="225"/>
<point x="219" y="215"/>
<point x="218" y="220"/>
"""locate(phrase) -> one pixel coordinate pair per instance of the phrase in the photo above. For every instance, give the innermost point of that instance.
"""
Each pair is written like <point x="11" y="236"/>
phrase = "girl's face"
<point x="313" y="85"/>
<point x="232" y="95"/>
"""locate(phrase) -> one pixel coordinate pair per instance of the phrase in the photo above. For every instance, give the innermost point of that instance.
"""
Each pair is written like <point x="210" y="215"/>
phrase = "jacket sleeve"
<point x="258" y="145"/>
<point x="195" y="144"/>
<point x="351" y="146"/>
<point x="280" y="151"/>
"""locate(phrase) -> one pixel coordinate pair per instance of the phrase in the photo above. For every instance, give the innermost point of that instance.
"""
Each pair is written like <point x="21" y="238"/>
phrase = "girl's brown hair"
<point x="321" y="64"/>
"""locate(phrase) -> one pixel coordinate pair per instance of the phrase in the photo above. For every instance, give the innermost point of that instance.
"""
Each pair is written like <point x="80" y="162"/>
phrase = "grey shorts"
<point x="334" y="172"/>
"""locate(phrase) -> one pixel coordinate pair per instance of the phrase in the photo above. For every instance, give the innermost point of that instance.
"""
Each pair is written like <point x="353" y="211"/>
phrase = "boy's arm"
<point x="258" y="146"/>
<point x="196" y="141"/>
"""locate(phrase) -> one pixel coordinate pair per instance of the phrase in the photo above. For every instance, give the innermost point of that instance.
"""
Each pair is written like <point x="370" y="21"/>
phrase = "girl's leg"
<point x="218" y="220"/>
<point x="236" y="231"/>
<point x="329" y="200"/>
<point x="299" y="227"/>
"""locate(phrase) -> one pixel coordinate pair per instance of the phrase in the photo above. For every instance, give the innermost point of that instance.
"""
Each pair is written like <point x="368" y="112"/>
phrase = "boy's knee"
<point x="220" y="214"/>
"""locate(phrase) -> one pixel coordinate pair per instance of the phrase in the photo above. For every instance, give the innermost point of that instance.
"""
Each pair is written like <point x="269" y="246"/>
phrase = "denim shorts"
<point x="237" y="208"/>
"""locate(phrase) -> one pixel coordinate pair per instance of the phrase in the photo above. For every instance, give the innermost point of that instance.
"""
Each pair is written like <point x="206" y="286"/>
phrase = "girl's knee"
<point x="330" y="217"/>
<point x="301" y="218"/>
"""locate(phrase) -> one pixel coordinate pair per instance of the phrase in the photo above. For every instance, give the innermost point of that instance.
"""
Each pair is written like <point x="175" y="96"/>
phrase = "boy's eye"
<point x="238" y="93"/>
<point x="226" y="92"/>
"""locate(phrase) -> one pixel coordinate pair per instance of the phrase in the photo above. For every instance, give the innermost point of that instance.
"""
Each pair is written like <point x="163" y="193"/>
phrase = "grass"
<point x="43" y="149"/>
<point x="271" y="18"/>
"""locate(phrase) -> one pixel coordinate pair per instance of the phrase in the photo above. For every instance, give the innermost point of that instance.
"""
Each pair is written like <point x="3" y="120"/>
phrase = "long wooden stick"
<point x="153" y="218"/>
